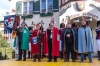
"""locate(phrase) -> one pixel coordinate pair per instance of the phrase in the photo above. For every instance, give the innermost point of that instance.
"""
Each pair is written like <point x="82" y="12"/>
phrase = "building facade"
<point x="44" y="10"/>
<point x="37" y="11"/>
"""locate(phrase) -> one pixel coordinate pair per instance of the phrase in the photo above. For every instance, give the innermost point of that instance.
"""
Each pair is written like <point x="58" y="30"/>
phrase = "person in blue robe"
<point x="85" y="41"/>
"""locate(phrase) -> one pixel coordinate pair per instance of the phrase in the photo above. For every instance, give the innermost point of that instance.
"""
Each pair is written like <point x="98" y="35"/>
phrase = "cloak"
<point x="63" y="39"/>
<point x="85" y="44"/>
<point x="55" y="41"/>
<point x="60" y="33"/>
<point x="34" y="42"/>
<point x="45" y="44"/>
<point x="25" y="39"/>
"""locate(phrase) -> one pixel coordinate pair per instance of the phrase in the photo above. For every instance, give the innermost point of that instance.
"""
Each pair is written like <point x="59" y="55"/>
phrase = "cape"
<point x="85" y="45"/>
<point x="55" y="41"/>
<point x="60" y="33"/>
<point x="45" y="44"/>
<point x="63" y="39"/>
<point x="25" y="39"/>
<point x="34" y="42"/>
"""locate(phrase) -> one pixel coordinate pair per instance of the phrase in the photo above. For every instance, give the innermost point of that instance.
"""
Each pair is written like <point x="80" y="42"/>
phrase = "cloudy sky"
<point x="4" y="6"/>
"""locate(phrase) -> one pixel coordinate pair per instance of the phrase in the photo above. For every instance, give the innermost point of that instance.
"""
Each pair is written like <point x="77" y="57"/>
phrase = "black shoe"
<point x="73" y="61"/>
<point x="18" y="60"/>
<point x="99" y="59"/>
<point x="66" y="60"/>
<point x="81" y="61"/>
<point x="49" y="61"/>
<point x="39" y="60"/>
<point x="90" y="61"/>
<point x="24" y="60"/>
<point x="55" y="60"/>
<point x="34" y="60"/>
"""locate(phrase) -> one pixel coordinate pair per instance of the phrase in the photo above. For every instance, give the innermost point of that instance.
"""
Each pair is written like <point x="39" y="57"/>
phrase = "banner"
<point x="8" y="23"/>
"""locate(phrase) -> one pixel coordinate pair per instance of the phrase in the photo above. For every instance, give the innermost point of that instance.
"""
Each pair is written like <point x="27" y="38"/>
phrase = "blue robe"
<point x="85" y="45"/>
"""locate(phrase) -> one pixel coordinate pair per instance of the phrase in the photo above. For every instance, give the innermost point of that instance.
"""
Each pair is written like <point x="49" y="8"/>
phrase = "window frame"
<point x="46" y="6"/>
<point x="28" y="8"/>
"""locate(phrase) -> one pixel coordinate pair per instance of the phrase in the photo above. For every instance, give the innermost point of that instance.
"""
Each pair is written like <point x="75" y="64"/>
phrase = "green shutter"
<point x="36" y="6"/>
<point x="55" y="5"/>
<point x="19" y="7"/>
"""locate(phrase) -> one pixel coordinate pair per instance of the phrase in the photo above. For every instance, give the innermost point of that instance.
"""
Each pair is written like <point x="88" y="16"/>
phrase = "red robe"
<point x="55" y="41"/>
<point x="34" y="47"/>
<point x="45" y="44"/>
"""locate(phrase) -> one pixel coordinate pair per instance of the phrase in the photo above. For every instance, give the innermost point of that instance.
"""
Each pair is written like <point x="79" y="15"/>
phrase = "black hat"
<point x="23" y="23"/>
<point x="98" y="23"/>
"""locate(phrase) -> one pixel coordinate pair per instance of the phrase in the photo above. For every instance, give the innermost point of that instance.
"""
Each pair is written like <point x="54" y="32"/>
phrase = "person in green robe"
<point x="25" y="40"/>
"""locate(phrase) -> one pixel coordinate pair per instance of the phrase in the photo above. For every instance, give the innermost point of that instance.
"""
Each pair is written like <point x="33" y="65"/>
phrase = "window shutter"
<point x="55" y="5"/>
<point x="19" y="7"/>
<point x="36" y="6"/>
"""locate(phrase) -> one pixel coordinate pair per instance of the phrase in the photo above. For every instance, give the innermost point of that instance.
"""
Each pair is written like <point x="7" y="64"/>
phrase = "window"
<point x="25" y="8"/>
<point x="28" y="7"/>
<point x="43" y="6"/>
<point x="46" y="6"/>
<point x="50" y="7"/>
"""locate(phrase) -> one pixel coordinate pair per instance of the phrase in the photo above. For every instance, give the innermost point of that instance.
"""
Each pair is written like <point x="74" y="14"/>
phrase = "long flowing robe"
<point x="60" y="33"/>
<point x="25" y="39"/>
<point x="55" y="41"/>
<point x="85" y="41"/>
<point x="64" y="41"/>
<point x="36" y="42"/>
<point x="45" y="44"/>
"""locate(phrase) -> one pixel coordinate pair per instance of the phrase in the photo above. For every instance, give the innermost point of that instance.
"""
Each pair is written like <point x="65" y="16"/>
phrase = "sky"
<point x="4" y="6"/>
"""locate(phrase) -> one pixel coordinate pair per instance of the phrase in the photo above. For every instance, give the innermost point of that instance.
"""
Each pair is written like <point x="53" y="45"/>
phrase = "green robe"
<point x="25" y="39"/>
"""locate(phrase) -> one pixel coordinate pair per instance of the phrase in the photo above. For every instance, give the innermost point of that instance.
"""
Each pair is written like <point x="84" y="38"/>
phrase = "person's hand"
<point x="68" y="35"/>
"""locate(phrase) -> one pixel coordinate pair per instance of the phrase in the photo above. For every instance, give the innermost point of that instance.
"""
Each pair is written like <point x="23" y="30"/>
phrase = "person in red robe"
<point x="53" y="42"/>
<point x="36" y="43"/>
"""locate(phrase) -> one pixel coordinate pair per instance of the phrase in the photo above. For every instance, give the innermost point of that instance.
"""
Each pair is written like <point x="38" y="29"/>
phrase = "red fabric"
<point x="60" y="33"/>
<point x="55" y="42"/>
<point x="45" y="44"/>
<point x="34" y="47"/>
<point x="99" y="35"/>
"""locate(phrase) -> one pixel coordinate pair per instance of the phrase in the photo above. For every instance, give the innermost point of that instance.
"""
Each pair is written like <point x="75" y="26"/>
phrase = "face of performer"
<point x="83" y="22"/>
<point x="52" y="24"/>
<point x="99" y="26"/>
<point x="22" y="26"/>
<point x="69" y="25"/>
<point x="38" y="26"/>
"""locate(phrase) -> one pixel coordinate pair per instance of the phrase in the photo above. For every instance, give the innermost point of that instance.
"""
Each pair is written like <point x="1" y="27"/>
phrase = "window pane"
<point x="43" y="1"/>
<point x="25" y="12"/>
<point x="25" y="8"/>
<point x="43" y="6"/>
<point x="50" y="6"/>
<point x="25" y="3"/>
<point x="30" y="6"/>
<point x="49" y="1"/>
<point x="31" y="3"/>
<point x="30" y="11"/>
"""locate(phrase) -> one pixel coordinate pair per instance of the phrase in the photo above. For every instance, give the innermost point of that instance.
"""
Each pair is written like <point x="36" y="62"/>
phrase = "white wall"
<point x="36" y="18"/>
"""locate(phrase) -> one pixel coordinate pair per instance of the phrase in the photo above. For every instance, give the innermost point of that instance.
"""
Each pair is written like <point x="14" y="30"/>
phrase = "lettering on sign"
<point x="84" y="14"/>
